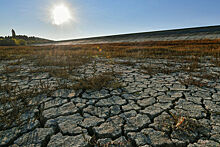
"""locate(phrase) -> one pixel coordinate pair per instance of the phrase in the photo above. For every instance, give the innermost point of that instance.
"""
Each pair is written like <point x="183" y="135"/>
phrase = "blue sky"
<point x="105" y="17"/>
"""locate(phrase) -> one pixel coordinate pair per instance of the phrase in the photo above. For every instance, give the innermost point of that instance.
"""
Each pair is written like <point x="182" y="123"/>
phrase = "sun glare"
<point x="60" y="14"/>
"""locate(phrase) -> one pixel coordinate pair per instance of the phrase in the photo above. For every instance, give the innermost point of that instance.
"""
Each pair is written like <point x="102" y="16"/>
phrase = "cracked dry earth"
<point x="149" y="110"/>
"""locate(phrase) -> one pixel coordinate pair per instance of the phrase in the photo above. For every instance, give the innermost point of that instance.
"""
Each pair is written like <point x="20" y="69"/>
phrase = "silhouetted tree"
<point x="13" y="33"/>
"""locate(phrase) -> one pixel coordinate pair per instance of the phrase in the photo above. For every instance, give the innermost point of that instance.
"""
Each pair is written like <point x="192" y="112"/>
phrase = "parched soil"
<point x="146" y="94"/>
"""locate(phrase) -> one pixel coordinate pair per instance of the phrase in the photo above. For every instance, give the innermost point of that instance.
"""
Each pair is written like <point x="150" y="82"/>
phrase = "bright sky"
<point x="88" y="18"/>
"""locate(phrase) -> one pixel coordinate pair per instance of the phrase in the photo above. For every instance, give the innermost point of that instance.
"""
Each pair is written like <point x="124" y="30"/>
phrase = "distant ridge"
<point x="196" y="33"/>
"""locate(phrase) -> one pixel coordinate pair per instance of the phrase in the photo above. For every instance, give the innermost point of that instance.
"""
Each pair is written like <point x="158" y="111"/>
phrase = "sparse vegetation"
<point x="15" y="101"/>
<point x="97" y="82"/>
<point x="182" y="123"/>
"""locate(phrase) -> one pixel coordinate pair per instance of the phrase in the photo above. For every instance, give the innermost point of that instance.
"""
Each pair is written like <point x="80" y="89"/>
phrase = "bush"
<point x="20" y="42"/>
<point x="12" y="42"/>
<point x="7" y="42"/>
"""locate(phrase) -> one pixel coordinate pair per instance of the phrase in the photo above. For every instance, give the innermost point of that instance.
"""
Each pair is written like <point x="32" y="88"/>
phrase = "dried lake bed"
<point x="149" y="102"/>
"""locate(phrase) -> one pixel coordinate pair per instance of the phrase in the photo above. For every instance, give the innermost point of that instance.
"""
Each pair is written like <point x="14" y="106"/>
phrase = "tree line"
<point x="16" y="40"/>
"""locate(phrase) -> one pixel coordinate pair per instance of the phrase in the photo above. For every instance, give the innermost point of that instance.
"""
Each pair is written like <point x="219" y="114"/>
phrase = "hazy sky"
<point x="105" y="17"/>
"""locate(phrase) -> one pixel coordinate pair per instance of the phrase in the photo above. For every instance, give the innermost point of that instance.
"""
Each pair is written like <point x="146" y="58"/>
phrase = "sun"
<point x="60" y="14"/>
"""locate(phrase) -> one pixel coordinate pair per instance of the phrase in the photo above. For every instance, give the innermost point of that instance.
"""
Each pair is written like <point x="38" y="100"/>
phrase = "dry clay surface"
<point x="141" y="113"/>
